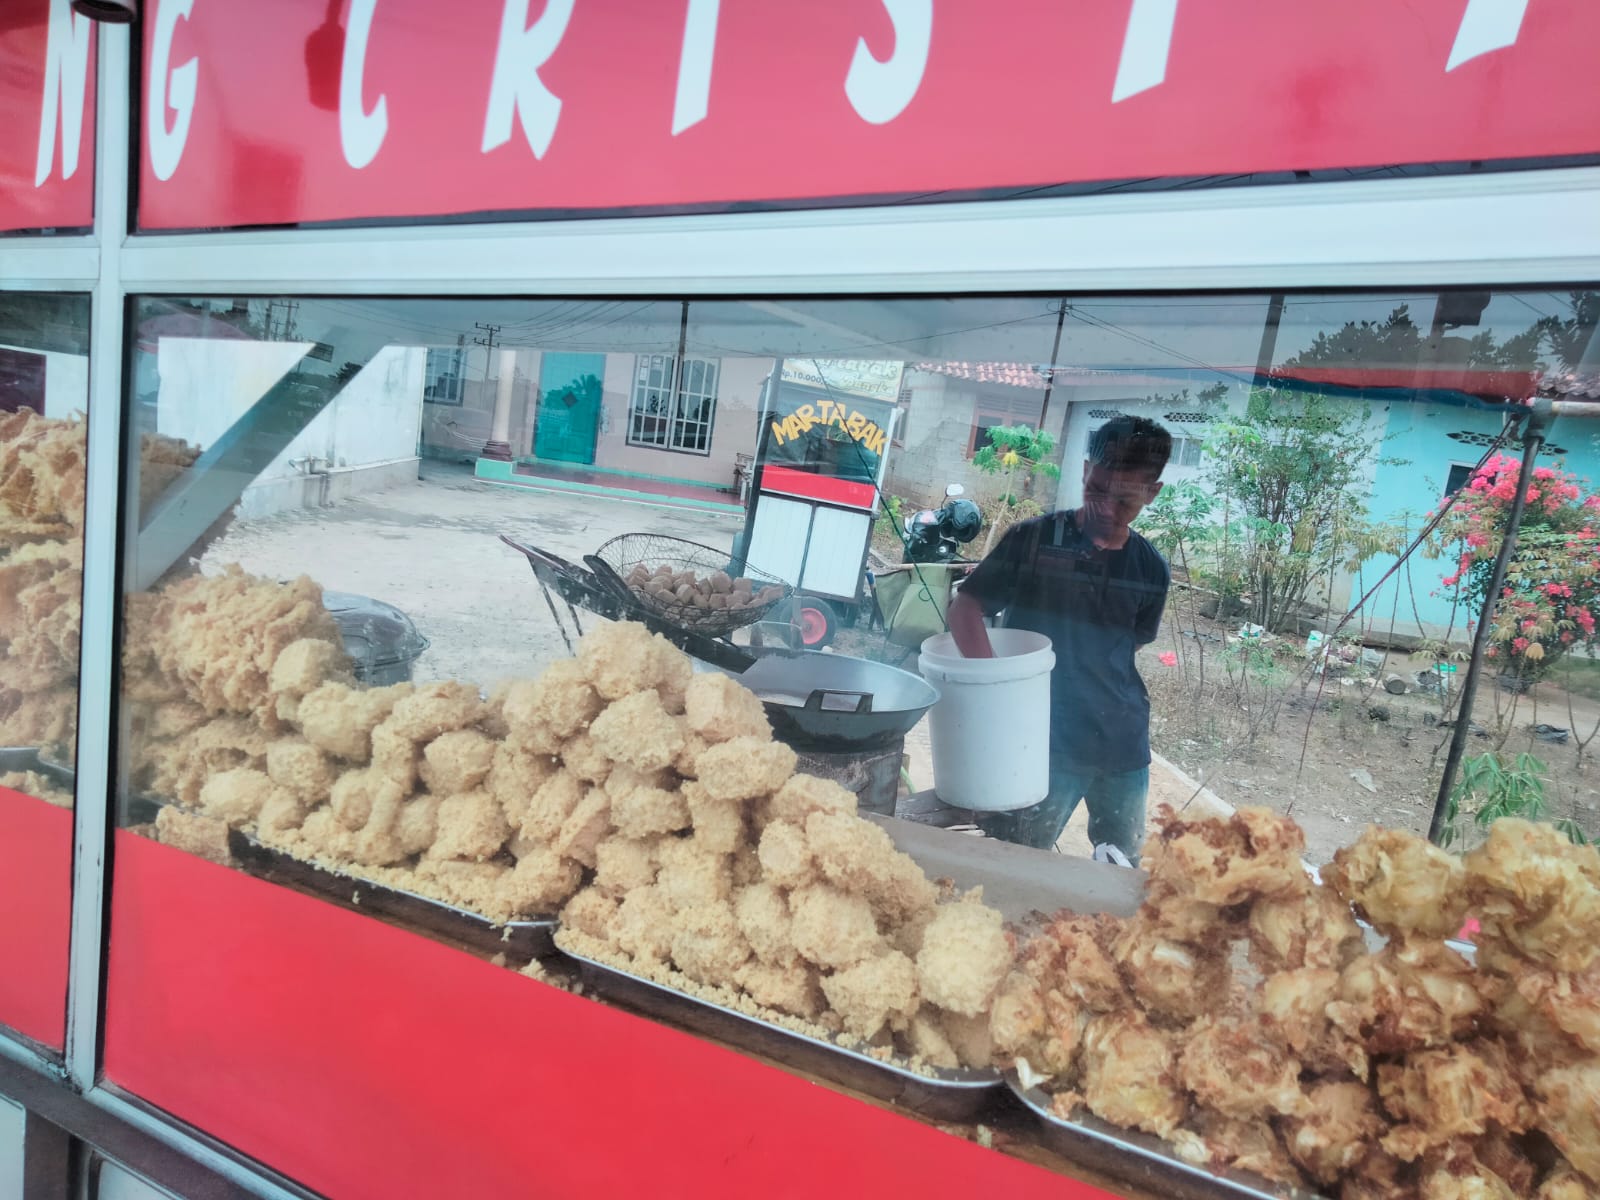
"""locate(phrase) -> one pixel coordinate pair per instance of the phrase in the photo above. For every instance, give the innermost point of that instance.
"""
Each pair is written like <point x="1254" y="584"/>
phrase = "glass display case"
<point x="44" y="400"/>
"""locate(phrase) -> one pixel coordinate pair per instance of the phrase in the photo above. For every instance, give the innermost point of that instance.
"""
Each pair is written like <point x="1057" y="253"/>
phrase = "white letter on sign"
<point x="516" y="89"/>
<point x="1486" y="25"/>
<point x="1144" y="47"/>
<point x="694" y="65"/>
<point x="66" y="71"/>
<point x="166" y="145"/>
<point x="880" y="91"/>
<point x="360" y="133"/>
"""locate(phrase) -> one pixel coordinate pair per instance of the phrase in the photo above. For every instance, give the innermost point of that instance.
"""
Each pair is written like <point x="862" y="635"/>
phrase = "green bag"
<point x="914" y="599"/>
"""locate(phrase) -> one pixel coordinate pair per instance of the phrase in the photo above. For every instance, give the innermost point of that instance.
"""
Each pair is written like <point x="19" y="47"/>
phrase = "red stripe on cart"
<point x="808" y="485"/>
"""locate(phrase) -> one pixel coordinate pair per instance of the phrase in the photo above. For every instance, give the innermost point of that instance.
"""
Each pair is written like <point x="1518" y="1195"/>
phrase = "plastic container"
<point x="991" y="727"/>
<point x="379" y="638"/>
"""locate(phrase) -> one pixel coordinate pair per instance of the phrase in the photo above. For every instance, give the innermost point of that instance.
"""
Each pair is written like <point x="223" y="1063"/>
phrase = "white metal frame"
<point x="1532" y="227"/>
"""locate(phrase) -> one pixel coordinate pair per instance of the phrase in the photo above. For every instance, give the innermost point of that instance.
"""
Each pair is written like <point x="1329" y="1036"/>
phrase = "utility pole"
<point x="498" y="447"/>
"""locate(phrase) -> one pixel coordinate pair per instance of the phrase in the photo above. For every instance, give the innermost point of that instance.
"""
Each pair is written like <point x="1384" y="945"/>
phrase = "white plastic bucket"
<point x="991" y="727"/>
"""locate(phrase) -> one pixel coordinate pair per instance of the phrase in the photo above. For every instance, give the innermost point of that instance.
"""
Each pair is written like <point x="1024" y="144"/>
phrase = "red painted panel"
<point x="39" y="103"/>
<point x="365" y="1061"/>
<point x="35" y="916"/>
<point x="809" y="485"/>
<point x="1011" y="95"/>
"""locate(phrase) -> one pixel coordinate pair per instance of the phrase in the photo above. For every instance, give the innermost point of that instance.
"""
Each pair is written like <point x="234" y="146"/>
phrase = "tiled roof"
<point x="1571" y="385"/>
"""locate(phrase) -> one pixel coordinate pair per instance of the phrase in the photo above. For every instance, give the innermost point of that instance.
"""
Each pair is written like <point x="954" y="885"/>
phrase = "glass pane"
<point x="44" y="395"/>
<point x="1223" y="512"/>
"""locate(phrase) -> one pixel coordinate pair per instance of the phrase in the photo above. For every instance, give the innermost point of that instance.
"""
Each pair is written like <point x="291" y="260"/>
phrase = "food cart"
<point x="363" y="190"/>
<point x="823" y="449"/>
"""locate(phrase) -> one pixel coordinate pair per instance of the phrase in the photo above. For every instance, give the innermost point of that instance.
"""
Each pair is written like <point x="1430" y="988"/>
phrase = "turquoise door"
<point x="568" y="423"/>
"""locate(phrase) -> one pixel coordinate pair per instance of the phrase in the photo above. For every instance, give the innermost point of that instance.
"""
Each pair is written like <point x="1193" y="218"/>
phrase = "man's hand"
<point x="966" y="626"/>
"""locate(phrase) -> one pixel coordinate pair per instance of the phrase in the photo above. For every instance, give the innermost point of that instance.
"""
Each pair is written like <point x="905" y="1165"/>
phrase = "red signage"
<point x="317" y="110"/>
<point x="47" y="96"/>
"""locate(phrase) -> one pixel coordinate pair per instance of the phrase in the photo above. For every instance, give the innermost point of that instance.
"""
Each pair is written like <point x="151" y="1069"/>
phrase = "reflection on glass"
<point x="44" y="373"/>
<point x="378" y="446"/>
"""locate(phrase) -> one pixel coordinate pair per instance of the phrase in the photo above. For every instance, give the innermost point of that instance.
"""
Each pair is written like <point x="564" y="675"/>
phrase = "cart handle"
<point x="814" y="700"/>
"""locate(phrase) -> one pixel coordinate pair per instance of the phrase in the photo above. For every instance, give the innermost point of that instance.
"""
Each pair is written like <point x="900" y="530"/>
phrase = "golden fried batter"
<point x="302" y="768"/>
<point x="591" y="911"/>
<point x="457" y="761"/>
<point x="647" y="811"/>
<point x="1130" y="1074"/>
<point x="876" y="992"/>
<point x="1253" y="853"/>
<point x="964" y="957"/>
<point x="622" y="864"/>
<point x="718" y="824"/>
<point x="1411" y="995"/>
<point x="541" y="882"/>
<point x="340" y="719"/>
<point x="832" y="928"/>
<point x="1455" y="1091"/>
<point x="706" y="943"/>
<point x="719" y="709"/>
<point x="802" y="795"/>
<point x="638" y="731"/>
<point x="1314" y="929"/>
<point x="236" y="796"/>
<point x="744" y="768"/>
<point x="858" y="856"/>
<point x="763" y="914"/>
<point x="1400" y="883"/>
<point x="470" y="825"/>
<point x="785" y="856"/>
<point x="693" y="875"/>
<point x="1532" y="889"/>
<point x="1232" y="1065"/>
<point x="585" y="825"/>
<point x="1340" y="1126"/>
<point x="1568" y="1103"/>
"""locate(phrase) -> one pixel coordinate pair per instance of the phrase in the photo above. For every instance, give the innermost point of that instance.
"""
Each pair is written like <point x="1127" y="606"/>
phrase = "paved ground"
<point x="432" y="549"/>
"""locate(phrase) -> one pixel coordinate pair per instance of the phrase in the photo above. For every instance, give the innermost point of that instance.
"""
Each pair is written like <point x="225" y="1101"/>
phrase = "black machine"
<point x="936" y="535"/>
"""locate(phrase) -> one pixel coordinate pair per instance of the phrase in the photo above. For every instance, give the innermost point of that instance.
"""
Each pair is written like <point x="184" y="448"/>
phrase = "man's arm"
<point x="1148" y="623"/>
<point x="966" y="626"/>
<point x="989" y="588"/>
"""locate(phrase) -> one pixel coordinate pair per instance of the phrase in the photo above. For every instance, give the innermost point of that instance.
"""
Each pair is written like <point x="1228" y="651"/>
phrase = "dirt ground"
<point x="432" y="549"/>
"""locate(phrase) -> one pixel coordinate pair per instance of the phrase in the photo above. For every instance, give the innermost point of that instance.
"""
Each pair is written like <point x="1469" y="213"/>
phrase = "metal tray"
<point x="949" y="1095"/>
<point x="515" y="939"/>
<point x="1141" y="1160"/>
<point x="26" y="758"/>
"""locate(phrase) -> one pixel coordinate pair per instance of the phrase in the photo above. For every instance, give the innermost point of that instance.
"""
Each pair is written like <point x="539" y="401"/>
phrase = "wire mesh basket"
<point x="691" y="585"/>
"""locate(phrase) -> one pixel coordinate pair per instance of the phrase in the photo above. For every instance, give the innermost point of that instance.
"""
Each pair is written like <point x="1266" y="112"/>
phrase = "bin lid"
<point x="375" y="634"/>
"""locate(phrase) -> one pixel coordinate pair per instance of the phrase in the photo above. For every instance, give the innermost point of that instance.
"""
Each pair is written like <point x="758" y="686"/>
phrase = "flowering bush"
<point x="1551" y="597"/>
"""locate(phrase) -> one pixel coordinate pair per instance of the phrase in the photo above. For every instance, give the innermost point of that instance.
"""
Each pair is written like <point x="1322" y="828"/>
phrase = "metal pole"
<point x="1537" y="420"/>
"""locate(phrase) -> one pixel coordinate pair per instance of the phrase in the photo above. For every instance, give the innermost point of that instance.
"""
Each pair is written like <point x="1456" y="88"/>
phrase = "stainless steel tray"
<point x="26" y="758"/>
<point x="1140" y="1159"/>
<point x="515" y="939"/>
<point x="949" y="1095"/>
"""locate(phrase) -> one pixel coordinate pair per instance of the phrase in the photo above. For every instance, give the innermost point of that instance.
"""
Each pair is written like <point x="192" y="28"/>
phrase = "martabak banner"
<point x="47" y="128"/>
<point x="328" y="110"/>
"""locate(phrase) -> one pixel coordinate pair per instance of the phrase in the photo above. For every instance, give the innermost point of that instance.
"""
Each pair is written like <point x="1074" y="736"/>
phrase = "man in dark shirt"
<point x="1096" y="589"/>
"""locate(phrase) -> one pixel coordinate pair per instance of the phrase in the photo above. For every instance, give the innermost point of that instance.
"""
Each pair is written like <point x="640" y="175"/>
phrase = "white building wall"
<point x="366" y="437"/>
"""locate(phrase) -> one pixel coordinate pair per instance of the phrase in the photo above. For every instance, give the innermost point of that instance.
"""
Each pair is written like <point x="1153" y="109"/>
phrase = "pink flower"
<point x="1519" y="644"/>
<point x="1169" y="659"/>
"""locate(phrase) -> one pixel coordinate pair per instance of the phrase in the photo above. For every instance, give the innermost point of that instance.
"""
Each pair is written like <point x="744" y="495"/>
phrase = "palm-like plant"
<point x="1015" y="452"/>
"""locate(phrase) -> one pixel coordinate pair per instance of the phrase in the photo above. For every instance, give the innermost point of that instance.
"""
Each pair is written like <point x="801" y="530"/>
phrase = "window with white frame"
<point x="1186" y="451"/>
<point x="442" y="376"/>
<point x="674" y="402"/>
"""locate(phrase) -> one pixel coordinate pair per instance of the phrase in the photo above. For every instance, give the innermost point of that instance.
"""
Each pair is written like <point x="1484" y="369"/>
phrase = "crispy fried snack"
<point x="1295" y="1007"/>
<point x="1254" y="853"/>
<point x="859" y="856"/>
<point x="646" y="811"/>
<point x="1411" y="995"/>
<point x="1176" y="981"/>
<point x="833" y="928"/>
<point x="965" y="956"/>
<point x="1130" y="1074"/>
<point x="763" y="914"/>
<point x="1400" y="883"/>
<point x="1243" y="1146"/>
<point x="541" y="882"/>
<point x="1313" y="929"/>
<point x="469" y="825"/>
<point x="591" y="911"/>
<point x="1456" y="1091"/>
<point x="638" y="731"/>
<point x="876" y="992"/>
<point x="624" y="657"/>
<point x="622" y="864"/>
<point x="1568" y="1104"/>
<point x="802" y="795"/>
<point x="340" y="719"/>
<point x="785" y="856"/>
<point x="745" y="768"/>
<point x="1339" y="1127"/>
<point x="1233" y="1065"/>
<point x="1533" y="890"/>
<point x="718" y="709"/>
<point x="457" y="761"/>
<point x="791" y="989"/>
<point x="706" y="943"/>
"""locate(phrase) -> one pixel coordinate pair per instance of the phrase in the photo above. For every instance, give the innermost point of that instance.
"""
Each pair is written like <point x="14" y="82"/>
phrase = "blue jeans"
<point x="1116" y="810"/>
